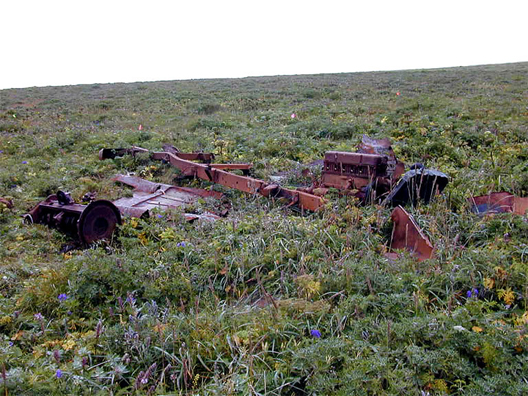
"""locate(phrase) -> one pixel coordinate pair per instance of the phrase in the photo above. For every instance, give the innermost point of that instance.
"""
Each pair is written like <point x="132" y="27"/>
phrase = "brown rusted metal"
<point x="7" y="202"/>
<point x="374" y="174"/>
<point x="499" y="202"/>
<point x="149" y="196"/>
<point x="199" y="156"/>
<point x="406" y="234"/>
<point x="245" y="168"/>
<point x="395" y="168"/>
<point x="243" y="183"/>
<point x="88" y="223"/>
<point x="348" y="171"/>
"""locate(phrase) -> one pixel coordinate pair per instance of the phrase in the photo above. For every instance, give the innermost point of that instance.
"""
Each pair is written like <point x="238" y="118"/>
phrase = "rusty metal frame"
<point x="242" y="183"/>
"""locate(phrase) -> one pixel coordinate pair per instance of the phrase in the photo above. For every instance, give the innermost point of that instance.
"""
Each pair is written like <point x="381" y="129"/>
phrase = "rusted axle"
<point x="88" y="223"/>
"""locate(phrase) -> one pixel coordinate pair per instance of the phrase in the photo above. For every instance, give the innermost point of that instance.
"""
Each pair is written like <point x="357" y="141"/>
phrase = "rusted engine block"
<point x="374" y="174"/>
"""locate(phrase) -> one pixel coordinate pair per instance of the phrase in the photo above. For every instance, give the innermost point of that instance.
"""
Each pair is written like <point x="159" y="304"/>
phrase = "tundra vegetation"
<point x="268" y="301"/>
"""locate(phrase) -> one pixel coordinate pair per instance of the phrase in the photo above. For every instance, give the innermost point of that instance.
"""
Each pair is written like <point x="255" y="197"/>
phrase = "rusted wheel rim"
<point x="98" y="221"/>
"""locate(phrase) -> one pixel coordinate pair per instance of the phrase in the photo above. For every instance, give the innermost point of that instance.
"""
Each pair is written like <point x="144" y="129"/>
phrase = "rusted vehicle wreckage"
<point x="372" y="174"/>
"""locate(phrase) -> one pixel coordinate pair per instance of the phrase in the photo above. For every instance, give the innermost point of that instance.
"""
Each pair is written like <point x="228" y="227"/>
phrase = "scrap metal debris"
<point x="499" y="202"/>
<point x="242" y="183"/>
<point x="7" y="202"/>
<point x="406" y="234"/>
<point x="417" y="184"/>
<point x="88" y="223"/>
<point x="149" y="195"/>
<point x="374" y="174"/>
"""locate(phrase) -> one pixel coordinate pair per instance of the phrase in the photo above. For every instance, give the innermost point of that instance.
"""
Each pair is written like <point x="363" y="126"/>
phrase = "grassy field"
<point x="168" y="307"/>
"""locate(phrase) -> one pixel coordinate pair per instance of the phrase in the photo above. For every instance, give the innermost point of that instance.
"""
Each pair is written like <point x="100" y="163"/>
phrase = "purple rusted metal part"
<point x="7" y="202"/>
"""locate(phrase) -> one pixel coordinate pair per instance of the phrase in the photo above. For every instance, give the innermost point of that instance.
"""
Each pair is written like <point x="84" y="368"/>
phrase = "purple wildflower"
<point x="11" y="343"/>
<point x="468" y="294"/>
<point x="58" y="373"/>
<point x="130" y="299"/>
<point x="62" y="297"/>
<point x="160" y="216"/>
<point x="475" y="292"/>
<point x="315" y="333"/>
<point x="38" y="316"/>
<point x="180" y="244"/>
<point x="24" y="162"/>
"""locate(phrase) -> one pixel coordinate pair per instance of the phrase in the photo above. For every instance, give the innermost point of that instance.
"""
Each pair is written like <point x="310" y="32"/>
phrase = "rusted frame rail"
<point x="241" y="183"/>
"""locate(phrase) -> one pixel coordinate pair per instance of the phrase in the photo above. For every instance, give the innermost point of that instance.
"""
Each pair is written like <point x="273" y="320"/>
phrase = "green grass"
<point x="232" y="311"/>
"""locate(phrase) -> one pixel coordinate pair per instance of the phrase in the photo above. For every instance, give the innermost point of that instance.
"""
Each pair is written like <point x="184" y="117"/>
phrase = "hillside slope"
<point x="268" y="300"/>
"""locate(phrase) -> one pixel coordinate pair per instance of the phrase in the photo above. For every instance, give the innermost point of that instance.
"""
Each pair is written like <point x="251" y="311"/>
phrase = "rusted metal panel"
<point x="344" y="158"/>
<point x="499" y="202"/>
<point x="406" y="234"/>
<point x="88" y="223"/>
<point x="149" y="196"/>
<point x="417" y="184"/>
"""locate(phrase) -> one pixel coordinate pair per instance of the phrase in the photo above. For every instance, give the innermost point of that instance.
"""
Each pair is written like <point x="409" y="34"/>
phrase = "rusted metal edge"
<point x="7" y="202"/>
<point x="499" y="202"/>
<point x="242" y="183"/>
<point x="406" y="234"/>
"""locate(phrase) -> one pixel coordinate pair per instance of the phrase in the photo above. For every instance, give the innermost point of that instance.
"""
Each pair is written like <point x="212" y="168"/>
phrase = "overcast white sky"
<point x="55" y="42"/>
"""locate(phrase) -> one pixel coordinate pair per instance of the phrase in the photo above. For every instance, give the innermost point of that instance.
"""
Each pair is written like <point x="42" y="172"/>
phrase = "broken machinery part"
<point x="499" y="202"/>
<point x="375" y="174"/>
<point x="206" y="158"/>
<point x="406" y="234"/>
<point x="88" y="223"/>
<point x="7" y="202"/>
<point x="242" y="183"/>
<point x="149" y="195"/>
<point x="417" y="184"/>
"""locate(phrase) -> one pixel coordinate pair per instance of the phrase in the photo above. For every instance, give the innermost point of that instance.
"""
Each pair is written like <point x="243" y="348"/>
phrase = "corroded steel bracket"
<point x="406" y="234"/>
